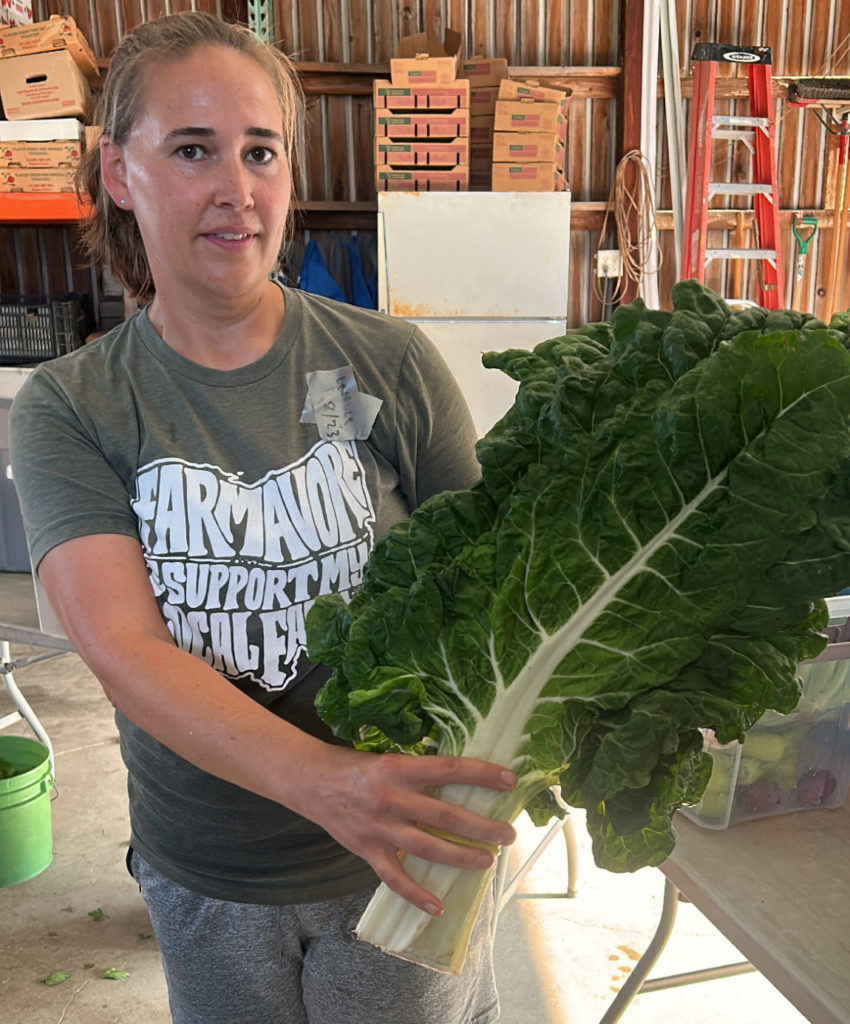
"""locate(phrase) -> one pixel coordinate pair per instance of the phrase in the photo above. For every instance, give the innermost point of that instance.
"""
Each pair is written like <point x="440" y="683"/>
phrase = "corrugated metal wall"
<point x="808" y="37"/>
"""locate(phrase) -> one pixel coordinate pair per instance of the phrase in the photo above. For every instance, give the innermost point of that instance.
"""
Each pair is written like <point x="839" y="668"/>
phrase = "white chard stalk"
<point x="396" y="925"/>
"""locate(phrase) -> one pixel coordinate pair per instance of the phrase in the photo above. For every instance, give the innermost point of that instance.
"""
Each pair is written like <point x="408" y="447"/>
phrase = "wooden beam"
<point x="728" y="220"/>
<point x="590" y="83"/>
<point x="584" y="216"/>
<point x="330" y="78"/>
<point x="338" y="79"/>
<point x="630" y="111"/>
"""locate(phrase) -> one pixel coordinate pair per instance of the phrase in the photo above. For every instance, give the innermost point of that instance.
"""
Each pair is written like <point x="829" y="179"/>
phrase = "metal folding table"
<point x="778" y="889"/>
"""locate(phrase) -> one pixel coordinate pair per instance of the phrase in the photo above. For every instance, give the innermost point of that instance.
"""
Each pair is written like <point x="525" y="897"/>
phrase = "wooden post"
<point x="630" y="105"/>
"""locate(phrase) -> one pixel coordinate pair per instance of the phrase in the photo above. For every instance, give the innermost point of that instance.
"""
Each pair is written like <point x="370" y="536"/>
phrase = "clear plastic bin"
<point x="792" y="762"/>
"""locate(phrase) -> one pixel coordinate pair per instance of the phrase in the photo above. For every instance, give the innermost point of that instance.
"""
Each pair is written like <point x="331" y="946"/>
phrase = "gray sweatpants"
<point x="243" y="963"/>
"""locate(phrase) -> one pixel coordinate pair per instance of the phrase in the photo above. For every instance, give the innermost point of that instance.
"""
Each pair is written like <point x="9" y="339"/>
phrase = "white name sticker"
<point x="339" y="410"/>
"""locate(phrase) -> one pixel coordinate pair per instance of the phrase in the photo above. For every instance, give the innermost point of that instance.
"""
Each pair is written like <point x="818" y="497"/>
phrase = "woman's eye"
<point x="261" y="155"/>
<point x="191" y="151"/>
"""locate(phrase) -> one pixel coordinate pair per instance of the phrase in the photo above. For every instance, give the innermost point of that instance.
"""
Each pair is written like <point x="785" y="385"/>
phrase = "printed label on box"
<point x="513" y="90"/>
<point x="421" y="97"/>
<point x="484" y="70"/>
<point x="29" y="179"/>
<point x="426" y="126"/>
<point x="39" y="154"/>
<point x="424" y="153"/>
<point x="423" y="180"/>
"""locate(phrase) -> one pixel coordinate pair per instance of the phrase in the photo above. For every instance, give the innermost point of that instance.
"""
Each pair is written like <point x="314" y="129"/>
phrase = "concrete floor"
<point x="559" y="961"/>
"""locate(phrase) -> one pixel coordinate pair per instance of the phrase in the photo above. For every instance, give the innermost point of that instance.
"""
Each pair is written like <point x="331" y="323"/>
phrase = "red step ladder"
<point x="756" y="132"/>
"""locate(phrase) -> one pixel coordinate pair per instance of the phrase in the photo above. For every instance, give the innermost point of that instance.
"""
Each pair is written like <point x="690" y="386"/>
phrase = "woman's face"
<point x="205" y="172"/>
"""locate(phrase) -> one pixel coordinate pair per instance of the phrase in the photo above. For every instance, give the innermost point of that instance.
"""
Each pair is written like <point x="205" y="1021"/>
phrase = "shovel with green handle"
<point x="803" y="240"/>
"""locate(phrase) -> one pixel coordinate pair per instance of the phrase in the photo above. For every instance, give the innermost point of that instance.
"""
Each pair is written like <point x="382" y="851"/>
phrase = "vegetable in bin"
<point x="660" y="515"/>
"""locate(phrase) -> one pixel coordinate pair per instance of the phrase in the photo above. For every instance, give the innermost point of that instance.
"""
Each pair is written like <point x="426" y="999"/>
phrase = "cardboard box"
<point x="483" y="70"/>
<point x="787" y="762"/>
<point x="528" y="147"/>
<point x="482" y="100"/>
<point x="57" y="33"/>
<point x="420" y="97"/>
<point x="423" y="180"/>
<point x="43" y="85"/>
<point x="31" y="179"/>
<point x="423" y="153"/>
<point x="540" y="177"/>
<point x="15" y="12"/>
<point x="452" y="124"/>
<point x="62" y="153"/>
<point x="424" y="60"/>
<point x="45" y="129"/>
<point x="531" y="90"/>
<point x="531" y="116"/>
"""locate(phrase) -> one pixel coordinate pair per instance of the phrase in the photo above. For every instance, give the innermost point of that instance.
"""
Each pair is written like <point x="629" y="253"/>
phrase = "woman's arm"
<point x="372" y="804"/>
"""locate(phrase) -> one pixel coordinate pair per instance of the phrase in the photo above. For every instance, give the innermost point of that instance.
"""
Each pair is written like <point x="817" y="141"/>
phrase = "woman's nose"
<point x="233" y="184"/>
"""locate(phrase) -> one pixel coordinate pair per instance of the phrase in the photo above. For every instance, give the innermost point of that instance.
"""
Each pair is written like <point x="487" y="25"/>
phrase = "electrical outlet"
<point x="609" y="263"/>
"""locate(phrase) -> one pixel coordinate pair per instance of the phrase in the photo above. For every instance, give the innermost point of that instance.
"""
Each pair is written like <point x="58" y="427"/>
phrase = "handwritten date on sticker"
<point x="340" y="411"/>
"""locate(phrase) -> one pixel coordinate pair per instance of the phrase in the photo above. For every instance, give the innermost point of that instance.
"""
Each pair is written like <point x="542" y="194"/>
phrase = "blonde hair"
<point x="110" y="233"/>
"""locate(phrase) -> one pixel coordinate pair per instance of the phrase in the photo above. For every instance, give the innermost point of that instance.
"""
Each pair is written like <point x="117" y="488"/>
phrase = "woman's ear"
<point x="113" y="172"/>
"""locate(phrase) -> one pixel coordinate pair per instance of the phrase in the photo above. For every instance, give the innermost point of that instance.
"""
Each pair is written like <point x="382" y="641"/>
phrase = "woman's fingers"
<point x="380" y="806"/>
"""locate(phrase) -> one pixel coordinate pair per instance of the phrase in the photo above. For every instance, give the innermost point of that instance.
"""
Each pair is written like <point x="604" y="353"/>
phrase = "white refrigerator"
<point x="477" y="271"/>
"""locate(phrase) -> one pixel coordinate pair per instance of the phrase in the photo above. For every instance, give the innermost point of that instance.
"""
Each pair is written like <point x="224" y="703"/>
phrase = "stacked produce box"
<point x="46" y="73"/>
<point x="484" y="74"/>
<point x="530" y="138"/>
<point x="15" y="12"/>
<point x="422" y="118"/>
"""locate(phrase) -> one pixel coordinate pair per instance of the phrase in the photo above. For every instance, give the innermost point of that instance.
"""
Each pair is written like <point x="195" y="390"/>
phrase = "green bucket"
<point x="26" y="836"/>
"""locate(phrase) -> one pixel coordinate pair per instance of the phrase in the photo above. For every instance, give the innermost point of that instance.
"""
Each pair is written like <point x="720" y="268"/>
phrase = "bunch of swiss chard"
<point x="659" y="517"/>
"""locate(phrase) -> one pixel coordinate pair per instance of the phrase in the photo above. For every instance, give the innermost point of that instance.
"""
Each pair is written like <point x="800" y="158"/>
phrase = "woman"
<point x="188" y="490"/>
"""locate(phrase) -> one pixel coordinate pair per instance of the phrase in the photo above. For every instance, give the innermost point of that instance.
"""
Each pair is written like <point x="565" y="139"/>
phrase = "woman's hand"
<point x="378" y="805"/>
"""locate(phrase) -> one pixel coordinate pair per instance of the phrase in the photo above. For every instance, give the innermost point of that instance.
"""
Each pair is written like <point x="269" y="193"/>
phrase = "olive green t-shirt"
<point x="245" y="513"/>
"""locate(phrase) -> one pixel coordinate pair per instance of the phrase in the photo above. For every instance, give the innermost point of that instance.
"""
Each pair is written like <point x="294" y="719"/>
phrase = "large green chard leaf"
<point x="659" y="515"/>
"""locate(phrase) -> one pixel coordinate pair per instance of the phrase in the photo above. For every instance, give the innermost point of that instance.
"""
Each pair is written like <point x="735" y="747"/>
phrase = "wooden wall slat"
<point x="286" y="32"/>
<point x="408" y="18"/>
<point x="363" y="116"/>
<point x="432" y="19"/>
<point x="456" y="11"/>
<point x="359" y="32"/>
<point x="384" y="35"/>
<point x="9" y="284"/>
<point x="557" y="22"/>
<point x="480" y="36"/>
<point x="532" y="17"/>
<point x="505" y="29"/>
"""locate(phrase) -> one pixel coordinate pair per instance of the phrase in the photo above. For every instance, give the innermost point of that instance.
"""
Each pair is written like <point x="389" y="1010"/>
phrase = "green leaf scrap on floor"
<point x="143" y="935"/>
<point x="113" y="974"/>
<point x="56" y="978"/>
<point x="98" y="915"/>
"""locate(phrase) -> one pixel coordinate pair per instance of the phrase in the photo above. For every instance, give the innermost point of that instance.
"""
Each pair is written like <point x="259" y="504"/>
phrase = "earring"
<point x="122" y="201"/>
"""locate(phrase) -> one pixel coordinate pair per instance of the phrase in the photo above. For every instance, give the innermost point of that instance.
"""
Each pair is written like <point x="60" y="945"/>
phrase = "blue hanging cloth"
<point x="315" y="276"/>
<point x="360" y="292"/>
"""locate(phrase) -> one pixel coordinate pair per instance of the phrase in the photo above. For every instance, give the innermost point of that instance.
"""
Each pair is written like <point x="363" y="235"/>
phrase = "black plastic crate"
<point x="38" y="327"/>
